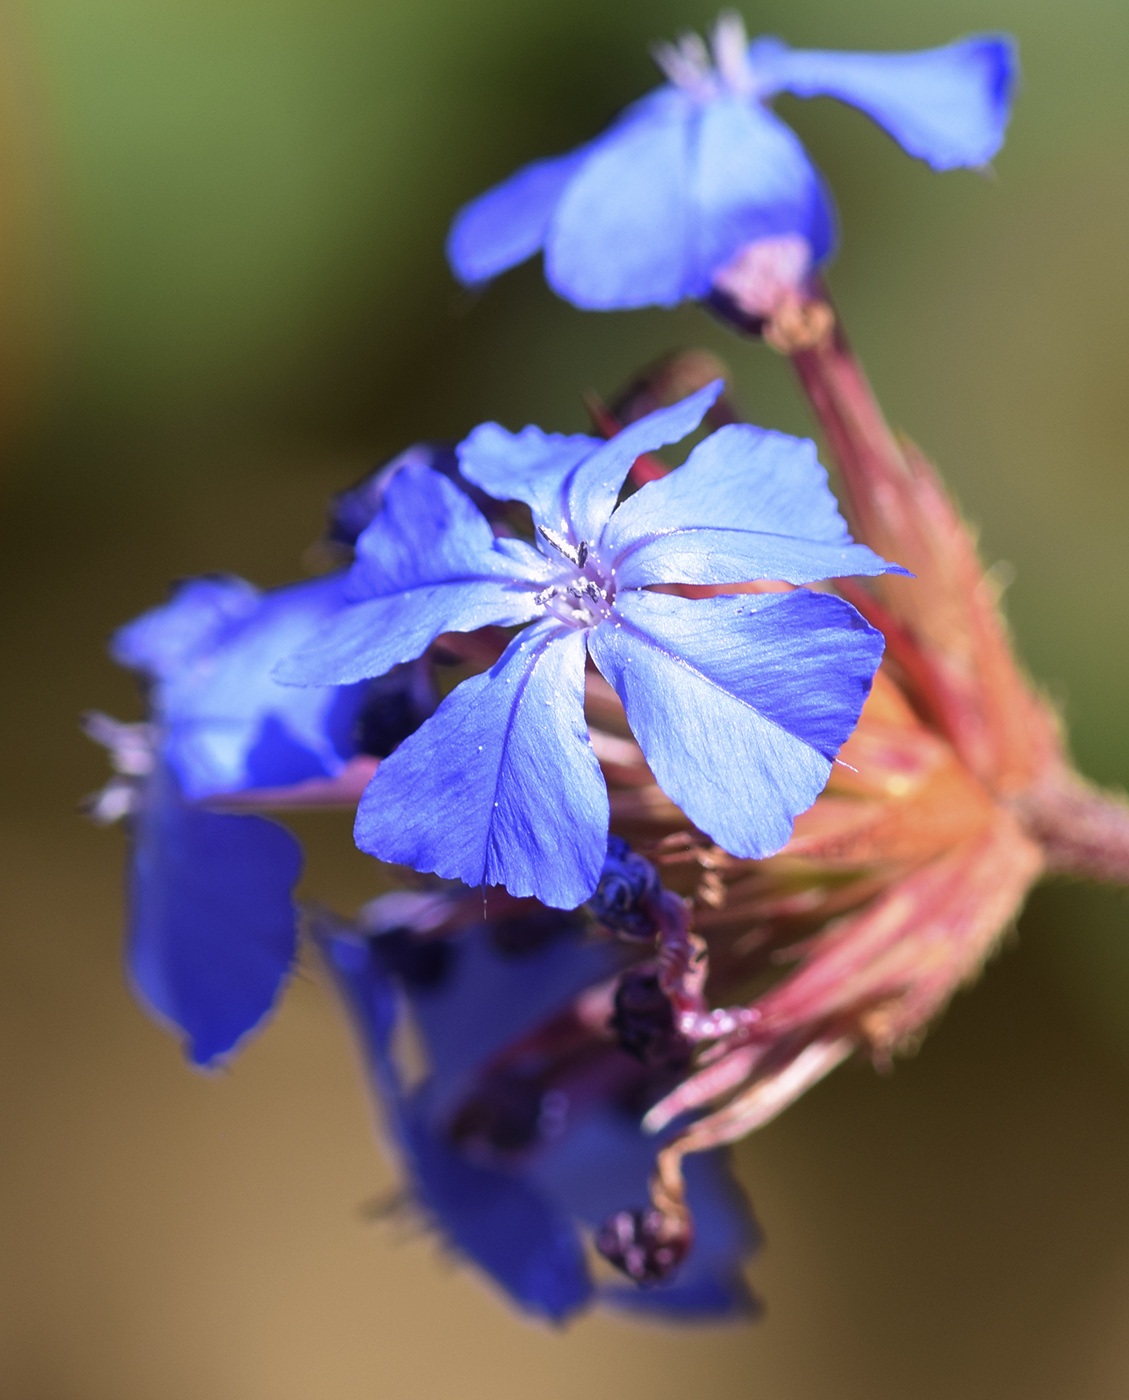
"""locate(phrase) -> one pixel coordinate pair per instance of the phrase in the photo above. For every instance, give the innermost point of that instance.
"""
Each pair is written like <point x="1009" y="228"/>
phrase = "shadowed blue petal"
<point x="228" y="725"/>
<point x="212" y="921"/>
<point x="519" y="1237"/>
<point x="518" y="1222"/>
<point x="501" y="785"/>
<point x="752" y="179"/>
<point x="508" y="223"/>
<point x="949" y="106"/>
<point x="521" y="991"/>
<point x="428" y="563"/>
<point x="523" y="1240"/>
<point x="623" y="233"/>
<point x="739" y="703"/>
<point x="747" y="504"/>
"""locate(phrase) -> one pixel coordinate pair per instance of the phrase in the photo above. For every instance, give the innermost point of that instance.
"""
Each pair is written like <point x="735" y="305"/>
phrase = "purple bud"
<point x="646" y="1245"/>
<point x="395" y="707"/>
<point x="626" y="895"/>
<point x="643" y="1021"/>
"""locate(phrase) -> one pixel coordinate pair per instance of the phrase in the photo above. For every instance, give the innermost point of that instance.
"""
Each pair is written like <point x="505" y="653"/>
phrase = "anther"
<point x="562" y="546"/>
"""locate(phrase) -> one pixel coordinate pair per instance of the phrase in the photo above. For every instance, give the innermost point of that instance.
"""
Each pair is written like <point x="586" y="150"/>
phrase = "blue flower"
<point x="699" y="185"/>
<point x="739" y="703"/>
<point x="227" y="725"/>
<point x="212" y="921"/>
<point x="525" y="1132"/>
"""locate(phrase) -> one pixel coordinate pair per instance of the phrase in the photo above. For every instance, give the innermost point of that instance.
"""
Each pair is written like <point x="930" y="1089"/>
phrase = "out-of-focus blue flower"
<point x="699" y="183"/>
<point x="739" y="703"/>
<point x="212" y="922"/>
<point x="212" y="925"/>
<point x="226" y="724"/>
<point x="513" y="1153"/>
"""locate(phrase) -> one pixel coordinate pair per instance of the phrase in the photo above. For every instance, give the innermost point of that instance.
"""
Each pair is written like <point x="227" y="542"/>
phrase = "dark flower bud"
<point x="395" y="707"/>
<point x="628" y="890"/>
<point x="419" y="961"/>
<point x="646" y="1245"/>
<point x="643" y="1022"/>
<point x="350" y="511"/>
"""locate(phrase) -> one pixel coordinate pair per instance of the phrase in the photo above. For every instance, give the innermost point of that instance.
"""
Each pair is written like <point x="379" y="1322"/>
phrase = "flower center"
<point x="582" y="594"/>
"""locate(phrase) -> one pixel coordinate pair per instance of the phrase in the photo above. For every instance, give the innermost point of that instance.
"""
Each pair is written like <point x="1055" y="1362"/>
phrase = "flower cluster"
<point x="666" y="771"/>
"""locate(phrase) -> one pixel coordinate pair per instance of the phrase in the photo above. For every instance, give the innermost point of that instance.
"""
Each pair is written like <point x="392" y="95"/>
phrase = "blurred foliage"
<point x="223" y="295"/>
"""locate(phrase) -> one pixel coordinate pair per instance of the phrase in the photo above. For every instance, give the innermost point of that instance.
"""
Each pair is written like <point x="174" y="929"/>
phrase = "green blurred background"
<point x="222" y="296"/>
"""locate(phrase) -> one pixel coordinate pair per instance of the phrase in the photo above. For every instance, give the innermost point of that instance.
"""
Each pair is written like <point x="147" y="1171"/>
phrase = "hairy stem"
<point x="1083" y="830"/>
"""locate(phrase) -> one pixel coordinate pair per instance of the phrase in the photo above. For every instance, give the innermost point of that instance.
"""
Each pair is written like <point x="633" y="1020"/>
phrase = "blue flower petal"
<point x="623" y="232"/>
<point x="747" y="504"/>
<point x="739" y="703"/>
<point x="194" y="619"/>
<point x="428" y="563"/>
<point x="520" y="990"/>
<point x="500" y="785"/>
<point x="508" y="223"/>
<point x="590" y="492"/>
<point x="529" y="466"/>
<point x="523" y="1240"/>
<point x="228" y="725"/>
<point x="571" y="483"/>
<point x="752" y="179"/>
<point x="212" y="923"/>
<point x="949" y="106"/>
<point x="352" y="510"/>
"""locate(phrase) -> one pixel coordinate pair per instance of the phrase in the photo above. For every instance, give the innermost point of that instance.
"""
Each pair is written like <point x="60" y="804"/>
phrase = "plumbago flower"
<point x="213" y="924"/>
<point x="739" y="702"/>
<point x="523" y="1137"/>
<point x="700" y="189"/>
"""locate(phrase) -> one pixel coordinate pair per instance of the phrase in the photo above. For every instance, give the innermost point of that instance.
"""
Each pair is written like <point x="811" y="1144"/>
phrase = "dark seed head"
<point x="644" y="1244"/>
<point x="643" y="1022"/>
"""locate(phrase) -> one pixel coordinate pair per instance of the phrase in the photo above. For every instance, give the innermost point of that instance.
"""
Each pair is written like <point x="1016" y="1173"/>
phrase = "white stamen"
<point x="131" y="746"/>
<point x="119" y="798"/>
<point x="730" y="45"/>
<point x="687" y="65"/>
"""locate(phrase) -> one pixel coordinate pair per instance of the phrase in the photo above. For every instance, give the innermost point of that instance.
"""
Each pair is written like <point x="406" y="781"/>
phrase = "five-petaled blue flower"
<point x="700" y="186"/>
<point x="739" y="702"/>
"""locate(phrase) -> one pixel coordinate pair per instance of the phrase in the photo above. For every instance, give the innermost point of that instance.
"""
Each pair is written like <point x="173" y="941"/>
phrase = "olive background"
<point x="222" y="297"/>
